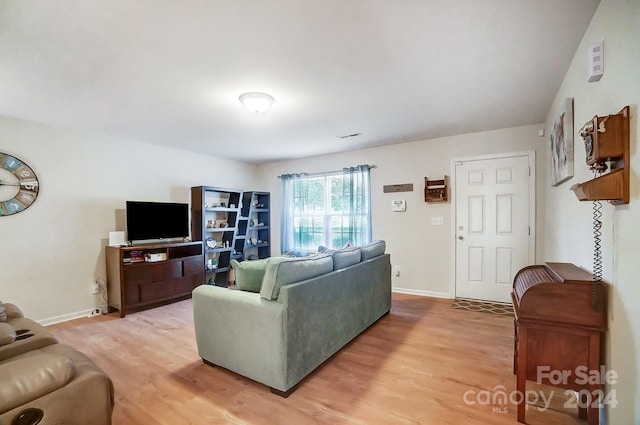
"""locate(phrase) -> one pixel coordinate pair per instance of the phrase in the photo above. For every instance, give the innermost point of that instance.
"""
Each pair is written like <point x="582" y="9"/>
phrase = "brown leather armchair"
<point x="43" y="382"/>
<point x="19" y="334"/>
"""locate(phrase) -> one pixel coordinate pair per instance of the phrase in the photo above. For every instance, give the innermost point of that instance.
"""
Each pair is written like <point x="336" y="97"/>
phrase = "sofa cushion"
<point x="283" y="271"/>
<point x="373" y="249"/>
<point x="249" y="274"/>
<point x="32" y="376"/>
<point x="343" y="258"/>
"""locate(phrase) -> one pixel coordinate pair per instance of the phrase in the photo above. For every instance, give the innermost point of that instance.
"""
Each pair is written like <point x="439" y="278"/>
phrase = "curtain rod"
<point x="325" y="173"/>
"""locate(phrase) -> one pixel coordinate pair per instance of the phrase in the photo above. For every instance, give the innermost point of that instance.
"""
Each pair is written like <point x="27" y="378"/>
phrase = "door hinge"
<point x="529" y="230"/>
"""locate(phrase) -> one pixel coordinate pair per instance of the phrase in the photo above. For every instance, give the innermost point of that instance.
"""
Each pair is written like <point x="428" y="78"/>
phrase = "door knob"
<point x="461" y="237"/>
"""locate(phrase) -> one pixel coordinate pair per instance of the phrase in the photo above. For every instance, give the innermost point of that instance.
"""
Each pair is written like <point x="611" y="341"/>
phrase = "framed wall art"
<point x="561" y="137"/>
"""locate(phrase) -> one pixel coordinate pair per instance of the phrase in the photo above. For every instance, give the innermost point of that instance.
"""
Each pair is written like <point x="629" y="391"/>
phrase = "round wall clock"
<point x="18" y="185"/>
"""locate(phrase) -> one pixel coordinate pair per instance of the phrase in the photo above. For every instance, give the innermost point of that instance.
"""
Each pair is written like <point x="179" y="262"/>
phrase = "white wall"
<point x="52" y="251"/>
<point x="422" y="251"/>
<point x="568" y="234"/>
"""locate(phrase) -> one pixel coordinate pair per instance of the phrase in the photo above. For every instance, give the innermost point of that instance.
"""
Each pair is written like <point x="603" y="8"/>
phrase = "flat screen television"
<point x="156" y="220"/>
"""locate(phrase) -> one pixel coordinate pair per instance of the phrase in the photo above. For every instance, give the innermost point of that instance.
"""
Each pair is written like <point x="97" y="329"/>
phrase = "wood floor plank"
<point x="413" y="366"/>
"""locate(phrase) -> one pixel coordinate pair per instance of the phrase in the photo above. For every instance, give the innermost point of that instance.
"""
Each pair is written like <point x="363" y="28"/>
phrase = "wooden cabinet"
<point x="557" y="330"/>
<point x="143" y="276"/>
<point x="253" y="238"/>
<point x="214" y="223"/>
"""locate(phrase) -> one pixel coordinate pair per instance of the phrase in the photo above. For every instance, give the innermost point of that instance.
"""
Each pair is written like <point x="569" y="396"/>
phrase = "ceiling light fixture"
<point x="256" y="102"/>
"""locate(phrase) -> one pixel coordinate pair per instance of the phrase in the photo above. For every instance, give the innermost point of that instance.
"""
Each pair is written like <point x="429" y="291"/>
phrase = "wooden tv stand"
<point x="134" y="286"/>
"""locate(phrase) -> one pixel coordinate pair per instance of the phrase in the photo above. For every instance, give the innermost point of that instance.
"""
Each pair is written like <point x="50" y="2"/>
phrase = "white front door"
<point x="494" y="212"/>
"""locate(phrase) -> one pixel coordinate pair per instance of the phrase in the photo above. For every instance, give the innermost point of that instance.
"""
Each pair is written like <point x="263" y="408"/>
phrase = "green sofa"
<point x="305" y="311"/>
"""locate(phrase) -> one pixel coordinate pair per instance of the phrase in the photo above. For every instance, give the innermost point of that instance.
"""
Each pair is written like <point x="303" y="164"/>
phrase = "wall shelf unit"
<point x="253" y="240"/>
<point x="214" y="220"/>
<point x="436" y="190"/>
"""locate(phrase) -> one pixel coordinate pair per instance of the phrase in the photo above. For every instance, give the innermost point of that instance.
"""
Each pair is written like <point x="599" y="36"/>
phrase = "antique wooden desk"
<point x="558" y="331"/>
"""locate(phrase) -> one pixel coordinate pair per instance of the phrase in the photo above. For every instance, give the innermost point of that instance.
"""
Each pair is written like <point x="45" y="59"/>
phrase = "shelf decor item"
<point x="212" y="263"/>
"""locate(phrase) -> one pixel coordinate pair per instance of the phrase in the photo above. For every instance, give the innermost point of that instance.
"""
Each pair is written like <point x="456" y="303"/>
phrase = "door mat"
<point x="483" y="306"/>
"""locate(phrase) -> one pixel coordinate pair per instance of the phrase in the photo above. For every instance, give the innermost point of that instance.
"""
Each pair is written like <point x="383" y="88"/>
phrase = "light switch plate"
<point x="437" y="221"/>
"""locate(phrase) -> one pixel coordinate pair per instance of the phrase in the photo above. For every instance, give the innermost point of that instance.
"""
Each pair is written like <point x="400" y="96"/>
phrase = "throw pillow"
<point x="343" y="258"/>
<point x="249" y="274"/>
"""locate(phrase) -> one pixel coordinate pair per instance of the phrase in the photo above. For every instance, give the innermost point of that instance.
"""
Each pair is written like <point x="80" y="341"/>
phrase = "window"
<point x="327" y="209"/>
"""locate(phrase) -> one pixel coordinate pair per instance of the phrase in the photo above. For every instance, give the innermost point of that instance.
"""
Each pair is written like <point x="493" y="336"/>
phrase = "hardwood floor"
<point x="414" y="366"/>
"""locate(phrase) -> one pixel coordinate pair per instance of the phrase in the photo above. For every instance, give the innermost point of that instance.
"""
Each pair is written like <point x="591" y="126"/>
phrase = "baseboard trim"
<point x="65" y="317"/>
<point x="87" y="313"/>
<point x="422" y="293"/>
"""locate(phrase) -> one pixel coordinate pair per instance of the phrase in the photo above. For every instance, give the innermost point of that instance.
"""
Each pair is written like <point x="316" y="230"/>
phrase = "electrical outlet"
<point x="94" y="312"/>
<point x="95" y="287"/>
<point x="396" y="270"/>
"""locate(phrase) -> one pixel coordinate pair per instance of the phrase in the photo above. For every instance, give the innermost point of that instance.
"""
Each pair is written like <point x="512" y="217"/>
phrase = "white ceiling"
<point x="170" y="72"/>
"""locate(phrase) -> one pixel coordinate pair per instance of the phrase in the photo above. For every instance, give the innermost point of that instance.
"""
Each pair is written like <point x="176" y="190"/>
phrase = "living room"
<point x="55" y="249"/>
